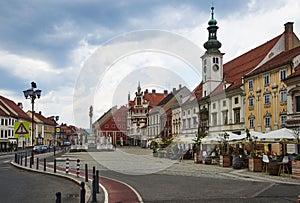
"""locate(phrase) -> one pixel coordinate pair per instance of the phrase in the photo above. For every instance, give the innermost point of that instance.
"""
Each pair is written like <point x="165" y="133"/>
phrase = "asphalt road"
<point x="183" y="189"/>
<point x="17" y="185"/>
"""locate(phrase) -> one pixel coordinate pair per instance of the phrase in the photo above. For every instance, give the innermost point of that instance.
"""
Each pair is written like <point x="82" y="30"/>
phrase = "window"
<point x="251" y="123"/>
<point x="224" y="103"/>
<point x="236" y="100"/>
<point x="189" y="123"/>
<point x="267" y="121"/>
<point x="183" y="113"/>
<point x="267" y="99"/>
<point x="224" y="115"/>
<point x="237" y="115"/>
<point x="2" y="121"/>
<point x="106" y="126"/>
<point x="189" y="112"/>
<point x="250" y="84"/>
<point x="282" y="74"/>
<point x="113" y="126"/>
<point x="183" y="124"/>
<point x="214" y="105"/>
<point x="195" y="121"/>
<point x="251" y="102"/>
<point x="204" y="61"/>
<point x="297" y="103"/>
<point x="282" y="120"/>
<point x="214" y="119"/>
<point x="283" y="96"/>
<point x="266" y="80"/>
<point x="138" y="101"/>
<point x="215" y="60"/>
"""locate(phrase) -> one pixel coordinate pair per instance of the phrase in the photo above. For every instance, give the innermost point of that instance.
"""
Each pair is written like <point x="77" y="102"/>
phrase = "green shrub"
<point x="297" y="157"/>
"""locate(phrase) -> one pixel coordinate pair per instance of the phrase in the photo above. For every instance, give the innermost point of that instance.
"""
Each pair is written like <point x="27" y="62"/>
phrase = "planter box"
<point x="225" y="161"/>
<point x="197" y="158"/>
<point x="255" y="164"/>
<point x="296" y="169"/>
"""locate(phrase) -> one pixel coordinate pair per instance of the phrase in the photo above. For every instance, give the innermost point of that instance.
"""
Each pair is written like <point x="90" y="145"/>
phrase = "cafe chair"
<point x="284" y="165"/>
<point x="266" y="162"/>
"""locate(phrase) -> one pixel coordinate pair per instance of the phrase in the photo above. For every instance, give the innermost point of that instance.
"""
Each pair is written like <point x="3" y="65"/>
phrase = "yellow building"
<point x="265" y="91"/>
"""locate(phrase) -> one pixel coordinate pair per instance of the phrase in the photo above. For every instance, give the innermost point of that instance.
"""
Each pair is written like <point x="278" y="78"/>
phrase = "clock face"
<point x="215" y="67"/>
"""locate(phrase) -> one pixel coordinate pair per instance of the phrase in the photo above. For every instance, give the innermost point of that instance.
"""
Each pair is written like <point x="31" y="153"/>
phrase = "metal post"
<point x="54" y="165"/>
<point x="16" y="157"/>
<point x="94" y="170"/>
<point x="82" y="193"/>
<point x="21" y="160"/>
<point x="86" y="173"/>
<point x="58" y="197"/>
<point x="67" y="165"/>
<point x="94" y="195"/>
<point x="37" y="163"/>
<point x="25" y="160"/>
<point x="44" y="164"/>
<point x="32" y="156"/>
<point x="78" y="168"/>
<point x="30" y="162"/>
<point x="97" y="181"/>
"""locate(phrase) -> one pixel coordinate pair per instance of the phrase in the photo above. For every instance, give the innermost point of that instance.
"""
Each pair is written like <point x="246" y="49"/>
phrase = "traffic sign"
<point x="21" y="129"/>
<point x="57" y="130"/>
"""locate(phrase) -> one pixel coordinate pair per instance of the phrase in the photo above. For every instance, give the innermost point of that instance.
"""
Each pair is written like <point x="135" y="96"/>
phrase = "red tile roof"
<point x="198" y="91"/>
<point x="281" y="59"/>
<point x="154" y="98"/>
<point x="45" y="120"/>
<point x="10" y="108"/>
<point x="235" y="69"/>
<point x="295" y="74"/>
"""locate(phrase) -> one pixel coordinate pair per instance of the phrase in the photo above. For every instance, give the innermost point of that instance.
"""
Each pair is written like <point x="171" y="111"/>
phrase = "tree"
<point x="198" y="139"/>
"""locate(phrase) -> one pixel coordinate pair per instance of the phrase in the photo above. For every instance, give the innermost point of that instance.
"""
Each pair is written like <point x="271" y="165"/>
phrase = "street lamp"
<point x="32" y="94"/>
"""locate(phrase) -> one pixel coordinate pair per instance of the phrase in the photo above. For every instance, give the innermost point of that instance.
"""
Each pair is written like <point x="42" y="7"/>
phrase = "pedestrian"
<point x="180" y="152"/>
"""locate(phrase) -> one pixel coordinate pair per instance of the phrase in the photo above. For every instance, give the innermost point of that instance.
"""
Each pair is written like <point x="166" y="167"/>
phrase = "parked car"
<point x="40" y="149"/>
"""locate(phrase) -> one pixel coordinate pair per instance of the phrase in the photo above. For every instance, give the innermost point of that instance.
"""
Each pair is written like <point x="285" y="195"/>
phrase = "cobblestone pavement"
<point x="139" y="161"/>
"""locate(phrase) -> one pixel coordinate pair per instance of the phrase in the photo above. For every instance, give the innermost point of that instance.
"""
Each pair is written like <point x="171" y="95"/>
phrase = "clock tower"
<point x="212" y="60"/>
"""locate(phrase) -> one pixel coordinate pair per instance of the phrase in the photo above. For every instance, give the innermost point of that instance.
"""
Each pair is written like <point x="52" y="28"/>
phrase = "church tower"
<point x="212" y="60"/>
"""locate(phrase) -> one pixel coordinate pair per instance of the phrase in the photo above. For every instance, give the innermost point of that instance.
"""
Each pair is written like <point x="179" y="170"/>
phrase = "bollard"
<point x="16" y="157"/>
<point x="86" y="173"/>
<point x="82" y="193"/>
<point x="30" y="162"/>
<point x="94" y="170"/>
<point x="37" y="163"/>
<point x="25" y="160"/>
<point x="58" y="197"/>
<point x="78" y="168"/>
<point x="97" y="181"/>
<point x="67" y="165"/>
<point x="21" y="160"/>
<point x="94" y="195"/>
<point x="54" y="166"/>
<point x="44" y="164"/>
<point x="53" y="150"/>
<point x="32" y="156"/>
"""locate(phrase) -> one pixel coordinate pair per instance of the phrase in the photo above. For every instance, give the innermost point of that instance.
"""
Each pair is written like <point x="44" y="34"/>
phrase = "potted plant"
<point x="196" y="149"/>
<point x="296" y="167"/>
<point x="255" y="162"/>
<point x="225" y="157"/>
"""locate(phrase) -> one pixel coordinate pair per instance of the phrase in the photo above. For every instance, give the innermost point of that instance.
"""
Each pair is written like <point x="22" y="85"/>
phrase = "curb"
<point x="88" y="193"/>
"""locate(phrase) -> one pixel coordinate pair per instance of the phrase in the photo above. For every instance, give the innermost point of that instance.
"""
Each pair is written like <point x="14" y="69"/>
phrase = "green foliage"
<point x="297" y="157"/>
<point x="198" y="139"/>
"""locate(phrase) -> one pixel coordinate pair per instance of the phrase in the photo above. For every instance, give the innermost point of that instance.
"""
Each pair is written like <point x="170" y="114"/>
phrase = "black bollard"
<point x="86" y="173"/>
<point x="94" y="195"/>
<point x="25" y="160"/>
<point x="54" y="166"/>
<point x="21" y="160"/>
<point x="53" y="150"/>
<point x="16" y="157"/>
<point x="97" y="181"/>
<point x="30" y="162"/>
<point x="44" y="164"/>
<point x="82" y="193"/>
<point x="94" y="170"/>
<point x="58" y="197"/>
<point x="32" y="156"/>
<point x="37" y="163"/>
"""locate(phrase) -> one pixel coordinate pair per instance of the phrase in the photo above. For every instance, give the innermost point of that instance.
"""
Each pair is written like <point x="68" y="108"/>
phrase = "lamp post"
<point x="32" y="94"/>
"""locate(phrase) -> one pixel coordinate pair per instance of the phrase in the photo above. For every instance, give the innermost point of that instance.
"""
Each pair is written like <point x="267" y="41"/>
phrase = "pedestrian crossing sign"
<point x="21" y="129"/>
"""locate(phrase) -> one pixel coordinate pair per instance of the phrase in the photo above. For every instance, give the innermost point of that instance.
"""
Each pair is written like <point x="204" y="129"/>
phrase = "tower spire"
<point x="212" y="45"/>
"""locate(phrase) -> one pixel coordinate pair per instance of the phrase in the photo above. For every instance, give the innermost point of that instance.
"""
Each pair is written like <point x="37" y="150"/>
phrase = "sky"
<point x="94" y="52"/>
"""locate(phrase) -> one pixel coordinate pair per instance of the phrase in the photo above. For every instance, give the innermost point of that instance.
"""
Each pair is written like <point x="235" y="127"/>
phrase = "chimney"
<point x="288" y="36"/>
<point x="179" y="86"/>
<point x="153" y="91"/>
<point x="165" y="92"/>
<point x="20" y="105"/>
<point x="40" y="112"/>
<point x="174" y="89"/>
<point x="146" y="91"/>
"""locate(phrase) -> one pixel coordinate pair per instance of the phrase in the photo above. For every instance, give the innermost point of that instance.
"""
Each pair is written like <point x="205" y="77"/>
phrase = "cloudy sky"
<point x="94" y="52"/>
